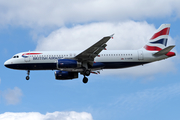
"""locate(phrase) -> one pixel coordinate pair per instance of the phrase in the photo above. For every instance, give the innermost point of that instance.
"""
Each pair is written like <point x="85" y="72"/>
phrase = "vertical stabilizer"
<point x="159" y="40"/>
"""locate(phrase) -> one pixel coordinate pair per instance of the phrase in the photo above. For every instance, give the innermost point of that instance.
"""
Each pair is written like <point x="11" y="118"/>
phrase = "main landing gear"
<point x="85" y="79"/>
<point x="27" y="77"/>
<point x="86" y="73"/>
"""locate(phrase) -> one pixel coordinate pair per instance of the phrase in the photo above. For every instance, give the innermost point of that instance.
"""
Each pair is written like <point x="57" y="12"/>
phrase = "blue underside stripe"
<point x="52" y="66"/>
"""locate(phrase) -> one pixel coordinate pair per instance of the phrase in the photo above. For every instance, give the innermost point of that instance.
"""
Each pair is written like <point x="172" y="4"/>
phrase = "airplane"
<point x="68" y="64"/>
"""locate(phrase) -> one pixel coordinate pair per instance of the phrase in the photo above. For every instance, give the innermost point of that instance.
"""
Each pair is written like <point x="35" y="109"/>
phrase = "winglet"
<point x="112" y="36"/>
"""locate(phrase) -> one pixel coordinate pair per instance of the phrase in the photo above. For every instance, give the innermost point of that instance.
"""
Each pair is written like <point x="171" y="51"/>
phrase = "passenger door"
<point x="140" y="55"/>
<point x="27" y="58"/>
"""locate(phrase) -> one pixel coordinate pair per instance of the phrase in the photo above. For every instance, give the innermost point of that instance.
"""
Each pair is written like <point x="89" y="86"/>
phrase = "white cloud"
<point x="48" y="116"/>
<point x="12" y="96"/>
<point x="33" y="13"/>
<point x="128" y="35"/>
<point x="148" y="97"/>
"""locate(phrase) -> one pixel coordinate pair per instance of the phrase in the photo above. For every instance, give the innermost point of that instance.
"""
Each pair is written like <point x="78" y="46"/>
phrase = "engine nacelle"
<point x="65" y="75"/>
<point x="68" y="63"/>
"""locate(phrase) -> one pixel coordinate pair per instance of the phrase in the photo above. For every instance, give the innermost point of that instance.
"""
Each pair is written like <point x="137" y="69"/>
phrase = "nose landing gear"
<point x="27" y="77"/>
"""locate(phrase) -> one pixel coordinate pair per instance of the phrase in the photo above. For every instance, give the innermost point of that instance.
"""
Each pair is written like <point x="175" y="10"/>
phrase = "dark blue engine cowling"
<point x="65" y="75"/>
<point x="68" y="63"/>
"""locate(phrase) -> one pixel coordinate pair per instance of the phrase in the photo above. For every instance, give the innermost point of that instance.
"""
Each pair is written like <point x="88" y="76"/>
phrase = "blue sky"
<point x="146" y="92"/>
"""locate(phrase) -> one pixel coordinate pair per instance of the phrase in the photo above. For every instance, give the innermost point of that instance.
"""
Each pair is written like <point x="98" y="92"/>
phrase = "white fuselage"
<point x="47" y="60"/>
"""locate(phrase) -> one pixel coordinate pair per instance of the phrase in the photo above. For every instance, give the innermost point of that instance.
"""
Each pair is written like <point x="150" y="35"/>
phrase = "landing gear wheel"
<point x="85" y="80"/>
<point x="87" y="72"/>
<point x="27" y="77"/>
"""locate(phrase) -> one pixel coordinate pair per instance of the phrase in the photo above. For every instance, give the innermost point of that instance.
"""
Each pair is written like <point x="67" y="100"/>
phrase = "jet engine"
<point x="68" y="63"/>
<point x="65" y="75"/>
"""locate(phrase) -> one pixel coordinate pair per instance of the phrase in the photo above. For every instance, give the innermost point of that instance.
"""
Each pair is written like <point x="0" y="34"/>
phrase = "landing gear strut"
<point x="27" y="77"/>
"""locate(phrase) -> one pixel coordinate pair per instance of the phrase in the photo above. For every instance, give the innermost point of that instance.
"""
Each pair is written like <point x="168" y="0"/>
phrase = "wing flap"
<point x="100" y="49"/>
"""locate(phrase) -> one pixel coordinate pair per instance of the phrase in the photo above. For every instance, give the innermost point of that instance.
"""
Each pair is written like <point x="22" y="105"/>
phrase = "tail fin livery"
<point x="159" y="40"/>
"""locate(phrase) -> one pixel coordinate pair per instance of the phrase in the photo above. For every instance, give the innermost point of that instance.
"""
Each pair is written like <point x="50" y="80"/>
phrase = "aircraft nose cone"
<point x="7" y="63"/>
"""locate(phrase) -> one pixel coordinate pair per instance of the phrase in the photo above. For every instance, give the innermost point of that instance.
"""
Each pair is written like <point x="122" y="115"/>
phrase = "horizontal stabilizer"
<point x="164" y="51"/>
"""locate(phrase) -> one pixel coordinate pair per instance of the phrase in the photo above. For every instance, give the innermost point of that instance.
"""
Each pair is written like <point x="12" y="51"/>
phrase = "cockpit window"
<point x="16" y="56"/>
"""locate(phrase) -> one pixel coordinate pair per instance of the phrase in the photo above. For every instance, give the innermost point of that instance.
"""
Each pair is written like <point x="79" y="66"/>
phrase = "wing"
<point x="89" y="54"/>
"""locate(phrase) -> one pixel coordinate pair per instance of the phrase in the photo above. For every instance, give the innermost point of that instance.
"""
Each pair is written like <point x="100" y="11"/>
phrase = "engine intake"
<point x="65" y="75"/>
<point x="68" y="63"/>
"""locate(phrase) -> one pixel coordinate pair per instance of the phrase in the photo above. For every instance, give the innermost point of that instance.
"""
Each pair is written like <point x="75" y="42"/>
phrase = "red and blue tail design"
<point x="159" y="40"/>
